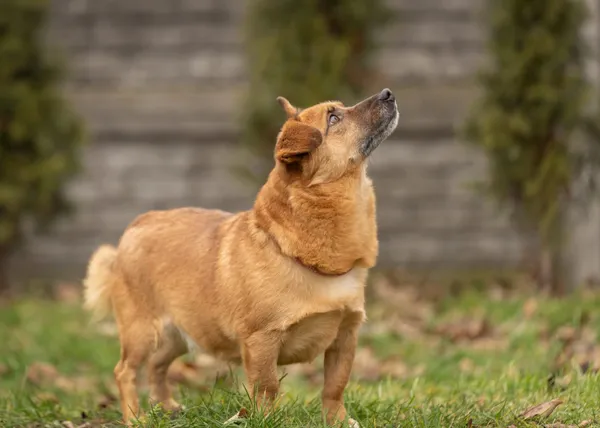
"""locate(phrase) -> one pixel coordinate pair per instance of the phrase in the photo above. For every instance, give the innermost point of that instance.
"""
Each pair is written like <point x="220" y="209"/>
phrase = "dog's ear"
<point x="296" y="140"/>
<point x="289" y="109"/>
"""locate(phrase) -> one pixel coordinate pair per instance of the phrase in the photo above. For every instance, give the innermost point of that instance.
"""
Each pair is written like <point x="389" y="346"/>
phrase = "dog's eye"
<point x="333" y="119"/>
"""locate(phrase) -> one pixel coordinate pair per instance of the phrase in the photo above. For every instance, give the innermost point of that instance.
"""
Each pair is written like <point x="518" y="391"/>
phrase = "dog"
<point x="279" y="284"/>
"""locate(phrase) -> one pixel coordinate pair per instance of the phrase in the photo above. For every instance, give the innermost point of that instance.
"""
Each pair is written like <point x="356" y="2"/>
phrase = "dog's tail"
<point x="98" y="282"/>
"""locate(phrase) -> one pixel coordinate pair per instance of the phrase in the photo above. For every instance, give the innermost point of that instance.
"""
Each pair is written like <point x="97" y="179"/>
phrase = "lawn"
<point x="476" y="358"/>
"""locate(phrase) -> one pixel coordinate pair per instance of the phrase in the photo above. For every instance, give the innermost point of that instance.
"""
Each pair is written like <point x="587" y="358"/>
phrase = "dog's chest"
<point x="309" y="337"/>
<point x="329" y="299"/>
<point x="340" y="287"/>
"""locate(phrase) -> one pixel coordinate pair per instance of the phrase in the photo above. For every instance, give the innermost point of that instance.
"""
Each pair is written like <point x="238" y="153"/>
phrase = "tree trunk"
<point x="4" y="281"/>
<point x="550" y="280"/>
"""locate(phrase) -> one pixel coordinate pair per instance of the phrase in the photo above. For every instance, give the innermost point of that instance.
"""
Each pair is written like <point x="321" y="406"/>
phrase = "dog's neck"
<point x="328" y="228"/>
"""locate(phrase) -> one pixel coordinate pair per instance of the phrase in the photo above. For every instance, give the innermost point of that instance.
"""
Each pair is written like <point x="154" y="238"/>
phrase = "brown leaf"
<point x="566" y="333"/>
<point x="47" y="397"/>
<point x="40" y="372"/>
<point x="530" y="307"/>
<point x="107" y="400"/>
<point x="395" y="369"/>
<point x="401" y="309"/>
<point x="69" y="424"/>
<point x="466" y="329"/>
<point x="67" y="292"/>
<point x="543" y="410"/>
<point x="306" y="371"/>
<point x="3" y="369"/>
<point x="584" y="423"/>
<point x="466" y="365"/>
<point x="366" y="365"/>
<point x="242" y="414"/>
<point x="493" y="343"/>
<point x="559" y="425"/>
<point x="45" y="374"/>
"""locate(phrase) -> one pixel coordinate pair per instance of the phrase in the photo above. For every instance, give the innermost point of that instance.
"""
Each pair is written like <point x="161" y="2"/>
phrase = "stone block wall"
<point x="159" y="82"/>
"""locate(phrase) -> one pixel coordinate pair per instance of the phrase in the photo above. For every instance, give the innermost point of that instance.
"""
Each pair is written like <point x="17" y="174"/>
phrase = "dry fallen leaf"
<point x="39" y="372"/>
<point x="366" y="365"/>
<point x="242" y="414"/>
<point x="400" y="309"/>
<point x="395" y="369"/>
<point x="543" y="410"/>
<point x="69" y="424"/>
<point x="47" y="397"/>
<point x="466" y="365"/>
<point x="310" y="372"/>
<point x="584" y="423"/>
<point x="466" y="329"/>
<point x="107" y="400"/>
<point x="566" y="333"/>
<point x="530" y="307"/>
<point x="45" y="374"/>
<point x="67" y="293"/>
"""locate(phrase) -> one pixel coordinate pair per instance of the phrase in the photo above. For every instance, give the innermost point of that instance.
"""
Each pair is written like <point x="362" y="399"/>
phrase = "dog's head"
<point x="321" y="143"/>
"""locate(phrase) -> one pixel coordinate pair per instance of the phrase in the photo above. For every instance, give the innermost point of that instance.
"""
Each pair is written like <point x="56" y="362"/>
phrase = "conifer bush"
<point x="39" y="134"/>
<point x="308" y="52"/>
<point x="532" y="107"/>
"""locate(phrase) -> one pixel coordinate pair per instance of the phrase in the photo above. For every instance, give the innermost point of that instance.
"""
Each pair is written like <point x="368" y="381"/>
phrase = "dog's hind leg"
<point x="136" y="344"/>
<point x="171" y="346"/>
<point x="139" y="337"/>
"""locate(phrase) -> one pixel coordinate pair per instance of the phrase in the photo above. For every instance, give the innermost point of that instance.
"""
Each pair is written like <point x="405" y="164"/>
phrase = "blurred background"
<point x="486" y="192"/>
<point x="174" y="105"/>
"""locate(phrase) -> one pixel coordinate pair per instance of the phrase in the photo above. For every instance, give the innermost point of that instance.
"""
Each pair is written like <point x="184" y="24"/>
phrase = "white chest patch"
<point x="342" y="287"/>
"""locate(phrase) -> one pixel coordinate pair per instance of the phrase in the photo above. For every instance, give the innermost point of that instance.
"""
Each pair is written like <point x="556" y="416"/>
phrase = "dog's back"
<point x="149" y="255"/>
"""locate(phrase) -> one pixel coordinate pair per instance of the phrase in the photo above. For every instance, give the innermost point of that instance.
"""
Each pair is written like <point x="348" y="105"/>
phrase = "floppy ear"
<point x="289" y="109"/>
<point x="296" y="140"/>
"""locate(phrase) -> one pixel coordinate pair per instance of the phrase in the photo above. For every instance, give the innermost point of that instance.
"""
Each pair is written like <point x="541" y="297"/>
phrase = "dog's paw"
<point x="352" y="423"/>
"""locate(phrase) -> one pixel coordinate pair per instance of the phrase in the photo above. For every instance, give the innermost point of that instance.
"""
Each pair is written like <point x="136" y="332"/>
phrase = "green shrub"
<point x="532" y="107"/>
<point x="39" y="134"/>
<point x="308" y="52"/>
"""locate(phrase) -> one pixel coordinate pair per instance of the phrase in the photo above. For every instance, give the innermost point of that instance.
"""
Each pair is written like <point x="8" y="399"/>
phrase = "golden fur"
<point x="279" y="284"/>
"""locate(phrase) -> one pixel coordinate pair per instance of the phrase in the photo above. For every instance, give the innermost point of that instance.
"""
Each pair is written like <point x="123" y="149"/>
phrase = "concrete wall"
<point x="158" y="82"/>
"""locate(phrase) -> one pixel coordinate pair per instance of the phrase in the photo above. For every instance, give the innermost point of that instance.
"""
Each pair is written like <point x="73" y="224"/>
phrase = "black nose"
<point x="386" y="95"/>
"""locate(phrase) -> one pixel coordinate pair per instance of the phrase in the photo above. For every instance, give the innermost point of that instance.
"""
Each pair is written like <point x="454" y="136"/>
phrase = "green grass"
<point x="443" y="383"/>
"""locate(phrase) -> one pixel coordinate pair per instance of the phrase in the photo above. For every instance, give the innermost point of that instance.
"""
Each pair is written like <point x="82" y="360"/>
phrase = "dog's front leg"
<point x="260" y="352"/>
<point x="338" y="365"/>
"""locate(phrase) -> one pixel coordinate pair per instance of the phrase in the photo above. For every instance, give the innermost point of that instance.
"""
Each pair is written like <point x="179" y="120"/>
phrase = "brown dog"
<point x="279" y="284"/>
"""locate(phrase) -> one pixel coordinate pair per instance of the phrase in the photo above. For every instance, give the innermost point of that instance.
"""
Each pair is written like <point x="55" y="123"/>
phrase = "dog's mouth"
<point x="383" y="130"/>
